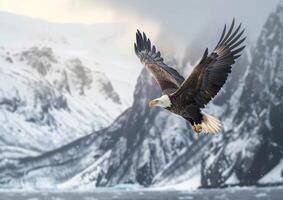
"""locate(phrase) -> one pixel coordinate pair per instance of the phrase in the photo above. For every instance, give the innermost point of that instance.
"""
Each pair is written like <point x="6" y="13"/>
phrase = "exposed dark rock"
<point x="83" y="74"/>
<point x="105" y="86"/>
<point x="40" y="59"/>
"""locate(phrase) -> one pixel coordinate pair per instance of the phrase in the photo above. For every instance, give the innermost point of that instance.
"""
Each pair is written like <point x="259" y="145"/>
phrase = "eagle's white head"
<point x="163" y="101"/>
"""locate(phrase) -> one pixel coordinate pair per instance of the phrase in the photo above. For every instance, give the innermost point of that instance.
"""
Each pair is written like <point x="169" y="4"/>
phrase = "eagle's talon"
<point x="197" y="128"/>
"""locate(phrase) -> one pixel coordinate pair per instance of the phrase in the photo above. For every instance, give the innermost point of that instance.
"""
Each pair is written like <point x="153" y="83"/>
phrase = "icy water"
<point x="272" y="193"/>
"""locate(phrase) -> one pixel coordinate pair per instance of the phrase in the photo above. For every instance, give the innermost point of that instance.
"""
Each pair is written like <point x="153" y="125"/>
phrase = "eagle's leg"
<point x="194" y="128"/>
<point x="193" y="114"/>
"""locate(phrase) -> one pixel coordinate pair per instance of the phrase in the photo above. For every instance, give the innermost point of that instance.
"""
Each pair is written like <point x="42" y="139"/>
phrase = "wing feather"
<point x="167" y="77"/>
<point x="211" y="73"/>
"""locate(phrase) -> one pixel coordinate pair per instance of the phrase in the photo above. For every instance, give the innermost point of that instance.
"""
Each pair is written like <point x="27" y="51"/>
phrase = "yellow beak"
<point x="152" y="103"/>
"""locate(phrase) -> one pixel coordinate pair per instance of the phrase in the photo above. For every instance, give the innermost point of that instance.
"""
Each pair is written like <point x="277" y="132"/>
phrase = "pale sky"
<point x="177" y="20"/>
<point x="178" y="13"/>
<point x="66" y="11"/>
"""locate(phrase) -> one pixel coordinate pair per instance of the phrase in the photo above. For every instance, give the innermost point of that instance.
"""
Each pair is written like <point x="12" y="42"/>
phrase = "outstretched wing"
<point x="212" y="71"/>
<point x="168" y="78"/>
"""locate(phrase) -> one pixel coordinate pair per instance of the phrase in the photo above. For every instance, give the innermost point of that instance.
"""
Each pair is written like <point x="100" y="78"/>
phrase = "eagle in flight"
<point x="186" y="97"/>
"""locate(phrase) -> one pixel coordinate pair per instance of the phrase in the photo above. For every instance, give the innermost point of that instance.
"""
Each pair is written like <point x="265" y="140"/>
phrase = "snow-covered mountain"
<point x="143" y="145"/>
<point x="251" y="148"/>
<point x="58" y="83"/>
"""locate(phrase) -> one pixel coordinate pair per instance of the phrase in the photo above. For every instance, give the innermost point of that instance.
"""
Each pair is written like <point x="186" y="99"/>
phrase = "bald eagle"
<point x="186" y="97"/>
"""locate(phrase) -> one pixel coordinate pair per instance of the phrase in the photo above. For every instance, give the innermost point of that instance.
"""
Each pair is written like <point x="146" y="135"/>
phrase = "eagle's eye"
<point x="152" y="103"/>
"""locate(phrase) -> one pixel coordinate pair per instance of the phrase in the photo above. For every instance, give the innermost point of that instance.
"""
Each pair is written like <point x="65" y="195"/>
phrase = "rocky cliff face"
<point x="252" y="146"/>
<point x="43" y="94"/>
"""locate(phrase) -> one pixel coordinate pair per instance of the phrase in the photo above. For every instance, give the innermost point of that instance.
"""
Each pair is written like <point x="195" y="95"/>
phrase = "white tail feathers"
<point x="210" y="124"/>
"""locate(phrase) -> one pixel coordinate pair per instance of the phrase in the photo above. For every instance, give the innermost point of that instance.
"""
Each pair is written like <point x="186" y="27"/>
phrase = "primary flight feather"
<point x="186" y="97"/>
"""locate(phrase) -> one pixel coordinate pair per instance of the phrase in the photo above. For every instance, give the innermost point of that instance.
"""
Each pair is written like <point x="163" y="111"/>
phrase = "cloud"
<point x="183" y="18"/>
<point x="187" y="17"/>
<point x="186" y="27"/>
